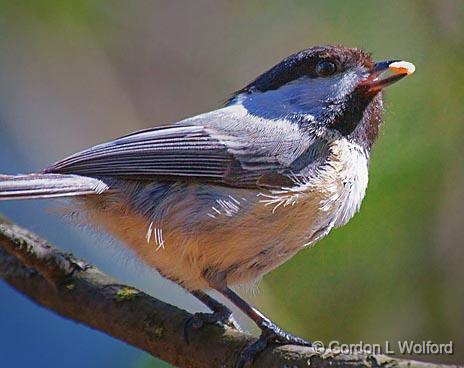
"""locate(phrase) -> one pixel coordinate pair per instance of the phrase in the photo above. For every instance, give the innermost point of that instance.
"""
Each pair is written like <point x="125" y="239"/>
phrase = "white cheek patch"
<point x="304" y="95"/>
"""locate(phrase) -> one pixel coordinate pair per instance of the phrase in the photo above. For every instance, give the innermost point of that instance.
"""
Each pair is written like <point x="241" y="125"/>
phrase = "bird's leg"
<point x="221" y="314"/>
<point x="270" y="332"/>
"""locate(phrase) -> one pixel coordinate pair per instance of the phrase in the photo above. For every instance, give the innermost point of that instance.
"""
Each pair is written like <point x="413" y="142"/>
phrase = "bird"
<point x="224" y="197"/>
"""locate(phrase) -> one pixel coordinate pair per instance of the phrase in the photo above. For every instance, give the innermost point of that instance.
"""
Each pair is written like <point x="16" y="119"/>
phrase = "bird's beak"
<point x="381" y="75"/>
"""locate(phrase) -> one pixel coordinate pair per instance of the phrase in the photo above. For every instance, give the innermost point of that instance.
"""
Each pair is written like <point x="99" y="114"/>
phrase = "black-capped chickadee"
<point x="224" y="197"/>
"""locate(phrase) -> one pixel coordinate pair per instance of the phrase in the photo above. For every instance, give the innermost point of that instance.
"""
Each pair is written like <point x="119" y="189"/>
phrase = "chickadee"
<point x="226" y="196"/>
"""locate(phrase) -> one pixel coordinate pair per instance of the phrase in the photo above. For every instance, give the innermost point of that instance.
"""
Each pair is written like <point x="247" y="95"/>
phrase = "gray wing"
<point x="223" y="147"/>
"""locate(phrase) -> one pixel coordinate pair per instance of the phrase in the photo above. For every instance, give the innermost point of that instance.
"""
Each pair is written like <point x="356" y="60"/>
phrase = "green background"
<point x="76" y="73"/>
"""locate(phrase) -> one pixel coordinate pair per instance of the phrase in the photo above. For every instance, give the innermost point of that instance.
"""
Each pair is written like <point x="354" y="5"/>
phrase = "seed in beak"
<point x="402" y="67"/>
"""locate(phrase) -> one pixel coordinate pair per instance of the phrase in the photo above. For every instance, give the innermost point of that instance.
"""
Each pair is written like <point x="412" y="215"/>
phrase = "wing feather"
<point x="226" y="146"/>
<point x="168" y="151"/>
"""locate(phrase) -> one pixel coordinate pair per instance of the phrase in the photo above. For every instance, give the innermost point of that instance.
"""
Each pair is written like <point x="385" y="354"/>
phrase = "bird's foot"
<point x="198" y="320"/>
<point x="270" y="334"/>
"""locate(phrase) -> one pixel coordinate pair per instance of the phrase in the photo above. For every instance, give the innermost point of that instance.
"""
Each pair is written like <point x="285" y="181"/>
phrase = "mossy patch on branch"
<point x="126" y="293"/>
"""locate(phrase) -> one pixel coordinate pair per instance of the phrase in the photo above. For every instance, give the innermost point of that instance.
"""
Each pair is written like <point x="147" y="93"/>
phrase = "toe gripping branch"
<point x="270" y="332"/>
<point x="221" y="315"/>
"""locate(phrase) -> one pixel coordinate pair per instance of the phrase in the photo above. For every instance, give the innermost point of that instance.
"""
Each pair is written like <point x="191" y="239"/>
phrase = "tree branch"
<point x="79" y="291"/>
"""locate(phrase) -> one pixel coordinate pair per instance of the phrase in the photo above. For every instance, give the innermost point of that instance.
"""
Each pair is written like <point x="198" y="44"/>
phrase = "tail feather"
<point x="33" y="186"/>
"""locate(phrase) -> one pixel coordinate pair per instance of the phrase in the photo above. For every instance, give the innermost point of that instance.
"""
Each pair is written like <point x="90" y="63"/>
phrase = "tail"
<point x="48" y="186"/>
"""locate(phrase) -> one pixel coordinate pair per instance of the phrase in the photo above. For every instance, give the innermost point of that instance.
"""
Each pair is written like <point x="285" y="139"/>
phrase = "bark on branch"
<point x="77" y="290"/>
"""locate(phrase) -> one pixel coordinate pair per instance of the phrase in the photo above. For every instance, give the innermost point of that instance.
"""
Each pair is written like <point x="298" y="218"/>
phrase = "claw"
<point x="198" y="320"/>
<point x="251" y="351"/>
<point x="271" y="334"/>
<point x="187" y="328"/>
<point x="190" y="324"/>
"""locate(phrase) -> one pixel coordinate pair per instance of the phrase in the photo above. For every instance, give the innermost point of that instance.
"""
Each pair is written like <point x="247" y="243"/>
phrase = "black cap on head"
<point x="341" y="89"/>
<point x="305" y="63"/>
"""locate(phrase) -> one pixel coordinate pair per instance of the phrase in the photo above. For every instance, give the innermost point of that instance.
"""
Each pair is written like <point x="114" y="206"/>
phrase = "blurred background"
<point x="77" y="73"/>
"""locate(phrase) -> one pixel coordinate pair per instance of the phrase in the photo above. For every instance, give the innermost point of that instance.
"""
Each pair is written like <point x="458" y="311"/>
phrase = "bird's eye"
<point x="325" y="68"/>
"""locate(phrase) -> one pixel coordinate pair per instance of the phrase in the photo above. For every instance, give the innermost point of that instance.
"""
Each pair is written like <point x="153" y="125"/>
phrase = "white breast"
<point x="332" y="196"/>
<point x="354" y="170"/>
